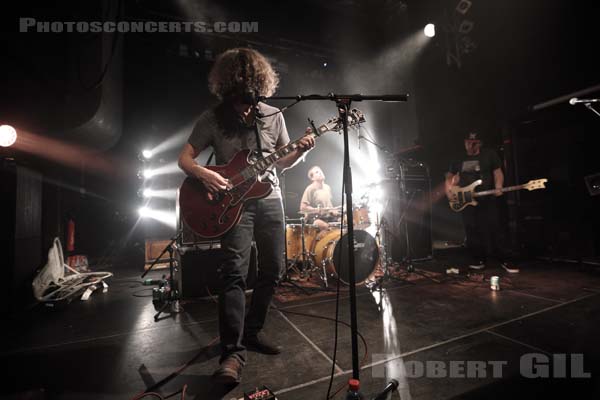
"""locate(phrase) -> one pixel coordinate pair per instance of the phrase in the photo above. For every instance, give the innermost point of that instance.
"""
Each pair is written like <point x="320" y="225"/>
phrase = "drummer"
<point x="316" y="201"/>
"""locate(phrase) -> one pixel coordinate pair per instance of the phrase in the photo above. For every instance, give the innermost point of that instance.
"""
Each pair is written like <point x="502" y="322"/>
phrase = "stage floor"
<point x="452" y="336"/>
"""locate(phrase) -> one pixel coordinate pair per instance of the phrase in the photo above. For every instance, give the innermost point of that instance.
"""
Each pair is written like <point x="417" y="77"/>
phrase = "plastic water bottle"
<point x="353" y="390"/>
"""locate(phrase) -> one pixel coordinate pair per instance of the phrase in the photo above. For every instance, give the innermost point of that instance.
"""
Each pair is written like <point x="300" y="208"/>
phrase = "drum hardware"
<point x="299" y="241"/>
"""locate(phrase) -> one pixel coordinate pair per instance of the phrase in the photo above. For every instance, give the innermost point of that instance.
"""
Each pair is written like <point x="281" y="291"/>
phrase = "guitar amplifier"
<point x="197" y="274"/>
<point x="408" y="214"/>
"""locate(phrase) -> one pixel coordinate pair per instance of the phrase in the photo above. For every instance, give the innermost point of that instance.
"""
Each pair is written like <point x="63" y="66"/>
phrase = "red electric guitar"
<point x="212" y="218"/>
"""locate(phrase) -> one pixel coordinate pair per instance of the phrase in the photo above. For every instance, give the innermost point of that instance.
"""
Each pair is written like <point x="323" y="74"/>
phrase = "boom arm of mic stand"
<point x="591" y="108"/>
<point x="173" y="239"/>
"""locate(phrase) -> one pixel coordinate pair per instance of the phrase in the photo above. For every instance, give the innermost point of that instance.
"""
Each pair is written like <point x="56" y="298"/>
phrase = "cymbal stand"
<point x="303" y="241"/>
<point x="386" y="262"/>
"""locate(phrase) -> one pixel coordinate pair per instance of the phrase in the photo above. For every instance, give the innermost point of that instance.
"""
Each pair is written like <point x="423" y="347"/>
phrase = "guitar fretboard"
<point x="262" y="164"/>
<point x="492" y="191"/>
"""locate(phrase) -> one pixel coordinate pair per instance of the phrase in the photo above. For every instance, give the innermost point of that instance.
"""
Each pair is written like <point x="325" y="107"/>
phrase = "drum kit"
<point x="325" y="251"/>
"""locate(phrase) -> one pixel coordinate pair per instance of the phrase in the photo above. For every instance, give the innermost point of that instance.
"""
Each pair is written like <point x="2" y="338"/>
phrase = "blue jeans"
<point x="262" y="220"/>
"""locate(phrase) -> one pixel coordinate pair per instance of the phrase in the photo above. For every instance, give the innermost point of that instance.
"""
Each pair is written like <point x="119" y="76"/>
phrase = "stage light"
<point x="145" y="174"/>
<point x="429" y="30"/>
<point x="147" y="154"/>
<point x="169" y="194"/>
<point x="463" y="6"/>
<point x="164" y="216"/>
<point x="466" y="26"/>
<point x="8" y="135"/>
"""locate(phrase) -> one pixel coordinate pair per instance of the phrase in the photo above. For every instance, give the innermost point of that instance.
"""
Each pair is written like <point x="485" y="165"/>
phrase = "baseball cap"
<point x="473" y="136"/>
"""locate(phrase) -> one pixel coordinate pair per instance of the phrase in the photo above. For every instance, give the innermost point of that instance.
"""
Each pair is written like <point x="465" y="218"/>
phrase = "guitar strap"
<point x="257" y="132"/>
<point x="210" y="158"/>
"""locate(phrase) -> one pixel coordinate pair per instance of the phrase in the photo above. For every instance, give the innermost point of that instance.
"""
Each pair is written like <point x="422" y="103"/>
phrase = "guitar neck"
<point x="263" y="163"/>
<point x="503" y="190"/>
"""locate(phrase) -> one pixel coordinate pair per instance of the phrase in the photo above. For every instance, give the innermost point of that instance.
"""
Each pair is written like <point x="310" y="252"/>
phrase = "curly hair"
<point x="239" y="70"/>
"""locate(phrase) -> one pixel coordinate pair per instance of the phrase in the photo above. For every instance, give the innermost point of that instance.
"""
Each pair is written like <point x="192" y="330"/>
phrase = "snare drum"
<point x="366" y="255"/>
<point x="293" y="240"/>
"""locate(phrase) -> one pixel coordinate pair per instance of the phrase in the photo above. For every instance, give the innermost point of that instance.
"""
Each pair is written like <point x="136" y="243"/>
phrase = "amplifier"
<point x="197" y="274"/>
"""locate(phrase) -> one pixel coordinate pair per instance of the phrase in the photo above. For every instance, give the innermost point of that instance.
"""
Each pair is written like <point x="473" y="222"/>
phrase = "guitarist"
<point x="482" y="229"/>
<point x="234" y="124"/>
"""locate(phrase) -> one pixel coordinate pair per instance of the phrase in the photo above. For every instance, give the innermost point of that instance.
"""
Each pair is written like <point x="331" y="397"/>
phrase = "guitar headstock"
<point x="355" y="117"/>
<point x="535" y="184"/>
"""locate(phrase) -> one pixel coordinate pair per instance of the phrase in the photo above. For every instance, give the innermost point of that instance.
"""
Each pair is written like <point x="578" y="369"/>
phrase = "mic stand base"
<point x="173" y="295"/>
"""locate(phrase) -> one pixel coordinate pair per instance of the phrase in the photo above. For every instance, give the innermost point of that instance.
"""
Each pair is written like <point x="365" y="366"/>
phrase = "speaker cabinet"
<point x="197" y="274"/>
<point x="408" y="219"/>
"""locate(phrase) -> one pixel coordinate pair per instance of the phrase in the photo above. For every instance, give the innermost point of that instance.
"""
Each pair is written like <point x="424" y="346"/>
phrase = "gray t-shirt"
<point x="222" y="129"/>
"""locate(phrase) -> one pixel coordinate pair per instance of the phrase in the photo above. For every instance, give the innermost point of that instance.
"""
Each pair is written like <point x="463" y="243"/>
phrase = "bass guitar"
<point x="461" y="197"/>
<point x="212" y="217"/>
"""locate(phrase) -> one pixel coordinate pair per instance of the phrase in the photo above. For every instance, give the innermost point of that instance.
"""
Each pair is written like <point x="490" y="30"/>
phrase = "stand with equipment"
<point x="343" y="105"/>
<point x="166" y="295"/>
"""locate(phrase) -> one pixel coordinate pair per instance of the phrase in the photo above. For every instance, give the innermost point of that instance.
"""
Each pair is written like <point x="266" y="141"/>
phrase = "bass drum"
<point x="293" y="240"/>
<point x="366" y="255"/>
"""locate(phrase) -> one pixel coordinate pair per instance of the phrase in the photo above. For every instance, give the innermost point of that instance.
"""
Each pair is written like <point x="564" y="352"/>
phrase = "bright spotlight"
<point x="147" y="154"/>
<point x="164" y="216"/>
<point x="147" y="193"/>
<point x="429" y="30"/>
<point x="148" y="173"/>
<point x="8" y="135"/>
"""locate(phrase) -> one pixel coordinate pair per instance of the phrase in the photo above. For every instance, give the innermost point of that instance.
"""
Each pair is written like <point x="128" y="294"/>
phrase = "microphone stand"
<point x="173" y="295"/>
<point x="592" y="109"/>
<point x="343" y="105"/>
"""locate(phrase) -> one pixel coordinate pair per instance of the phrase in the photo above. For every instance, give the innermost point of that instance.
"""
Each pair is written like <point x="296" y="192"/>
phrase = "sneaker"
<point x="259" y="344"/>
<point x="477" y="265"/>
<point x="229" y="372"/>
<point x="510" y="268"/>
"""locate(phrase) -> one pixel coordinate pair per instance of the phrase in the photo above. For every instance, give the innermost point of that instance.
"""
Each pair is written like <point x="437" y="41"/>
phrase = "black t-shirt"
<point x="481" y="166"/>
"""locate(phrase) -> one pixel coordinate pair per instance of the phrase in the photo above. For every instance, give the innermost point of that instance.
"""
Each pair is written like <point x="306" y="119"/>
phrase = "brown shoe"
<point x="229" y="372"/>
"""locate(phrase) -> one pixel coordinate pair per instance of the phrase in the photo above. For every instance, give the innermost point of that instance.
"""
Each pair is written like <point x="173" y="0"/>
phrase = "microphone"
<point x="250" y="97"/>
<point x="359" y="137"/>
<point x="575" y="100"/>
<point x="393" y="385"/>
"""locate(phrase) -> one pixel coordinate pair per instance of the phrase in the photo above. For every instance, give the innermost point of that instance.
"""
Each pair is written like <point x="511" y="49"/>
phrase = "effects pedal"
<point x="262" y="393"/>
